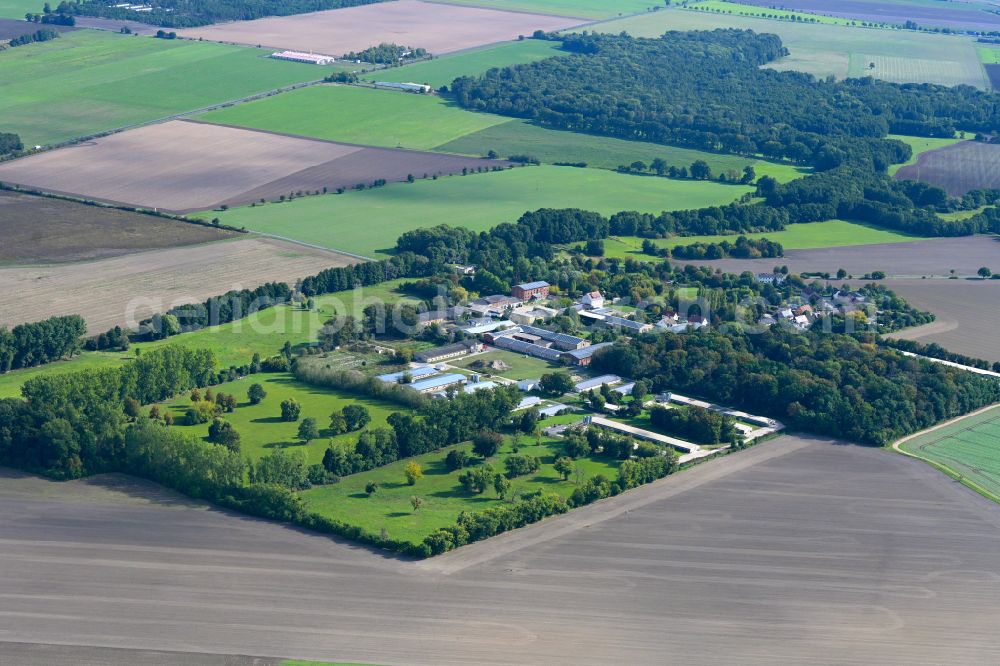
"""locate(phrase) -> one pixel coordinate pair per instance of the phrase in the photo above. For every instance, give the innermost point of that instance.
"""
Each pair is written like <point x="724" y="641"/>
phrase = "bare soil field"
<point x="958" y="168"/>
<point x="993" y="71"/>
<point x="125" y="290"/>
<point x="438" y="28"/>
<point x="796" y="551"/>
<point x="968" y="314"/>
<point x="931" y="258"/>
<point x="175" y="166"/>
<point x="43" y="230"/>
<point x="942" y="14"/>
<point x="10" y="28"/>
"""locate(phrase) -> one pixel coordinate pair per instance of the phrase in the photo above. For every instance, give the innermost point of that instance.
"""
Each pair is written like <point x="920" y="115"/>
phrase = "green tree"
<point x="356" y="416"/>
<point x="370" y="488"/>
<point x="985" y="272"/>
<point x="415" y="501"/>
<point x="256" y="393"/>
<point x="223" y="432"/>
<point x="338" y="424"/>
<point x="564" y="466"/>
<point x="501" y="485"/>
<point x="308" y="430"/>
<point x="555" y="383"/>
<point x="290" y="409"/>
<point x="486" y="443"/>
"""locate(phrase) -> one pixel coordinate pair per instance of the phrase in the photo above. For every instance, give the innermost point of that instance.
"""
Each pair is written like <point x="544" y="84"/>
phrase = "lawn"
<point x="387" y="118"/>
<point x="91" y="81"/>
<point x="518" y="137"/>
<point x="16" y="9"/>
<point x="442" y="71"/>
<point x="369" y="221"/>
<point x="825" y="50"/>
<point x="919" y="145"/>
<point x="260" y="426"/>
<point x="832" y="233"/>
<point x="989" y="55"/>
<point x="592" y="9"/>
<point x="443" y="498"/>
<point x="235" y="343"/>
<point x="521" y="366"/>
<point x="969" y="450"/>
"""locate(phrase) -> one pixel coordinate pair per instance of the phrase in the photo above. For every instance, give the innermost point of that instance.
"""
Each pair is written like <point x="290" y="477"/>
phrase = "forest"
<point x="191" y="13"/>
<point x="36" y="343"/>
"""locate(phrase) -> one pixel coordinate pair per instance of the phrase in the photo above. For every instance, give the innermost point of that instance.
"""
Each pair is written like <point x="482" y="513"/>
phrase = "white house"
<point x="594" y="300"/>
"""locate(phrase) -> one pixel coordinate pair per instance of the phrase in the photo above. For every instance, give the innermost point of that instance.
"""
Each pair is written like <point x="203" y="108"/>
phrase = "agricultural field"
<point x="768" y="12"/>
<point x="93" y="81"/>
<point x="439" y="28"/>
<point x="832" y="233"/>
<point x="968" y="449"/>
<point x="384" y="118"/>
<point x="443" y="497"/>
<point x="263" y="332"/>
<point x="590" y="9"/>
<point x="958" y="16"/>
<point x="260" y="426"/>
<point x="919" y="145"/>
<point x="824" y="50"/>
<point x="43" y="230"/>
<point x="968" y="314"/>
<point x="125" y="290"/>
<point x="521" y="366"/>
<point x="993" y="72"/>
<point x="519" y="137"/>
<point x="232" y="167"/>
<point x="368" y="222"/>
<point x="11" y="28"/>
<point x="957" y="168"/>
<point x="442" y="71"/>
<point x="16" y="9"/>
<point x="904" y="70"/>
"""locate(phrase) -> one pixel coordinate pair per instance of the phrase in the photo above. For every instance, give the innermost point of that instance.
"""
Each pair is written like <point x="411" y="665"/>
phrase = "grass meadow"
<point x="445" y="69"/>
<point x="16" y="9"/>
<point x="832" y="233"/>
<point x="519" y="137"/>
<point x="235" y="343"/>
<point x="919" y="145"/>
<point x="386" y="118"/>
<point x="369" y="221"/>
<point x="443" y="497"/>
<point x="968" y="449"/>
<point x="260" y="426"/>
<point x="90" y="81"/>
<point x="521" y="366"/>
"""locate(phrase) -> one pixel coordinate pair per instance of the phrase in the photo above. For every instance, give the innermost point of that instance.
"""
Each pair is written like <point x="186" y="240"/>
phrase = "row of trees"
<point x="387" y="53"/>
<point x="743" y="248"/>
<point x="43" y="35"/>
<point x="28" y="345"/>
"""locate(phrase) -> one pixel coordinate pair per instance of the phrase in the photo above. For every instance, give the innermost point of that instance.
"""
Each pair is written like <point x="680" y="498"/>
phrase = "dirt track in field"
<point x="958" y="168"/>
<point x="968" y="314"/>
<point x="436" y="27"/>
<point x="42" y="230"/>
<point x="174" y="166"/>
<point x="798" y="551"/>
<point x="125" y="290"/>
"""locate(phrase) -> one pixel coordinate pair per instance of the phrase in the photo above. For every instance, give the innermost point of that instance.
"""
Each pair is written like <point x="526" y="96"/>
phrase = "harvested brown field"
<point x="125" y="290"/>
<point x="43" y="230"/>
<point x="930" y="258"/>
<point x="438" y="28"/>
<point x="174" y="166"/>
<point x="11" y="28"/>
<point x="993" y="71"/>
<point x="958" y="168"/>
<point x="968" y="314"/>
<point x="157" y="167"/>
<point x="955" y="15"/>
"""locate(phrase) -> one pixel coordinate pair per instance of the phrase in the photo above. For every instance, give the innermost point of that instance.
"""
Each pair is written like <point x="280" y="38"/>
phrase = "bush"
<point x="519" y="465"/>
<point x="290" y="410"/>
<point x="457" y="459"/>
<point x="477" y="479"/>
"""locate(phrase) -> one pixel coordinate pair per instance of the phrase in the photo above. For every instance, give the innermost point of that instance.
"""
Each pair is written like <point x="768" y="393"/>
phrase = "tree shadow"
<point x="283" y="445"/>
<point x="398" y="514"/>
<point x="267" y="419"/>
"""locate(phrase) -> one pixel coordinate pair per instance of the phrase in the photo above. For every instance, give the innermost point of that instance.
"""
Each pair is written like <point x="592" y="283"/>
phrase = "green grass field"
<point x="521" y="366"/>
<point x="235" y="343"/>
<point x="723" y="7"/>
<point x="387" y="118"/>
<point x="260" y="426"/>
<point x="592" y="9"/>
<point x="442" y="71"/>
<point x="989" y="55"/>
<point x="368" y="222"/>
<point x="827" y="50"/>
<point x="16" y="9"/>
<point x="919" y="145"/>
<point x="518" y="137"/>
<point x="832" y="233"/>
<point x="969" y="450"/>
<point x="443" y="498"/>
<point x="90" y="81"/>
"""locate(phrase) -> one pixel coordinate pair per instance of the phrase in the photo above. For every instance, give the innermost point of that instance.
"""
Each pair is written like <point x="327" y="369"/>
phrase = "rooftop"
<point x="440" y="381"/>
<point x="415" y="373"/>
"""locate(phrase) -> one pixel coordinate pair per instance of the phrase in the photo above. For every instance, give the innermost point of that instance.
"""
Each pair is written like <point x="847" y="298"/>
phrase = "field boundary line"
<point x="310" y="245"/>
<point x="965" y="481"/>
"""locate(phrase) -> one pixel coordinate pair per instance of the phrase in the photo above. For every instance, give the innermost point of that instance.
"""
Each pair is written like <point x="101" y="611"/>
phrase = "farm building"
<point x="447" y="352"/>
<point x="529" y="314"/>
<point x="593" y="301"/>
<point x="597" y="382"/>
<point x="521" y="347"/>
<point x="583" y="356"/>
<point x="613" y="321"/>
<point x="408" y="87"/>
<point x="439" y="383"/>
<point x="414" y="373"/>
<point x="529" y="290"/>
<point x="308" y="58"/>
<point x="558" y="340"/>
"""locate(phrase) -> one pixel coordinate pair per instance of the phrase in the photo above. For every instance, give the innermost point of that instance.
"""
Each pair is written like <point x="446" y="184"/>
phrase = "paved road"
<point x="795" y="551"/>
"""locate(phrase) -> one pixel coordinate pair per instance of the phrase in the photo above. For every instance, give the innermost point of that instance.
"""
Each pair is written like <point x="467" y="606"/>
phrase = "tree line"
<point x="37" y="343"/>
<point x="43" y="35"/>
